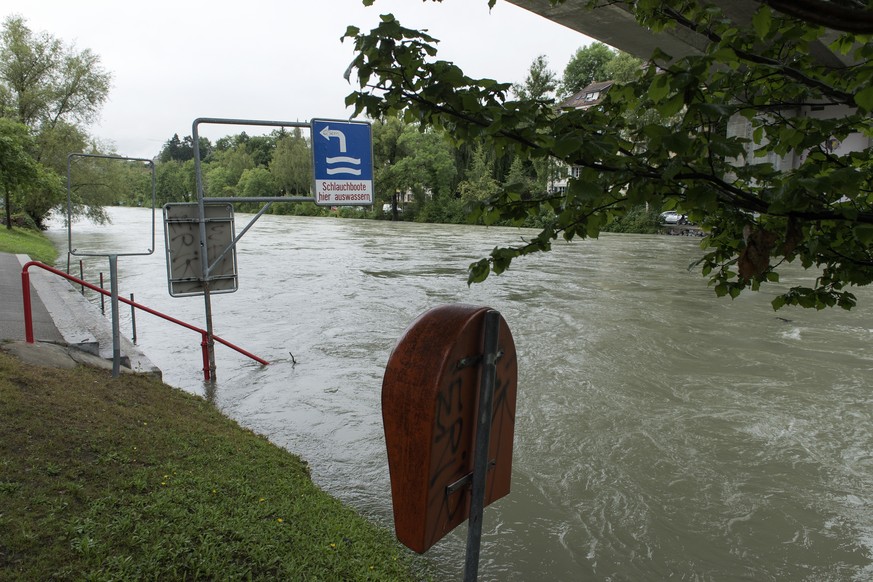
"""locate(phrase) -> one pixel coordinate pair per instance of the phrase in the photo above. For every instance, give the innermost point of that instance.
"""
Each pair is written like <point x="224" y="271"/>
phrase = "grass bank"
<point x="127" y="478"/>
<point x="28" y="242"/>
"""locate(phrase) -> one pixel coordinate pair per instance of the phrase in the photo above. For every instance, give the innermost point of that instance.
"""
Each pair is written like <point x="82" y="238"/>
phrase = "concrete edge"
<point x="80" y="322"/>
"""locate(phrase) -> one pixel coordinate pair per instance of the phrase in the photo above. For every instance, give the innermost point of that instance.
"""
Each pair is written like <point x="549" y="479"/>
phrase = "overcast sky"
<point x="173" y="62"/>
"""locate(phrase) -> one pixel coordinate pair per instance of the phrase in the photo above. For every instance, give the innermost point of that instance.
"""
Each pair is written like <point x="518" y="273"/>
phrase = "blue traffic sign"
<point x="342" y="162"/>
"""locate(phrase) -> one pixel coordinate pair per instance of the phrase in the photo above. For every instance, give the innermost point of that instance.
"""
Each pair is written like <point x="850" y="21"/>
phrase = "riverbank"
<point x="128" y="478"/>
<point x="28" y="242"/>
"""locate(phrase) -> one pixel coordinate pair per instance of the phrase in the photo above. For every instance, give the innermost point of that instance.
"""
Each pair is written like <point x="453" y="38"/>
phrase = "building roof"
<point x="587" y="97"/>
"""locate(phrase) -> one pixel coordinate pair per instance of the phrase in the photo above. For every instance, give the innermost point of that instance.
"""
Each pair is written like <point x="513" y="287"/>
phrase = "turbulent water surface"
<point x="661" y="433"/>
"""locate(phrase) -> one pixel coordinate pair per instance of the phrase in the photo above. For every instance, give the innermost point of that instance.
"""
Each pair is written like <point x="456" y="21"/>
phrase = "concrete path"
<point x="67" y="328"/>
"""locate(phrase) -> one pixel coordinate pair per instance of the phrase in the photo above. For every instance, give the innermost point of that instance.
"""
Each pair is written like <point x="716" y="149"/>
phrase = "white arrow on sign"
<point x="328" y="133"/>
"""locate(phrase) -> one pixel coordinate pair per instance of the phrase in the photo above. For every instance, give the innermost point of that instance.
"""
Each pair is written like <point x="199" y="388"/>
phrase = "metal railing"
<point x="28" y="314"/>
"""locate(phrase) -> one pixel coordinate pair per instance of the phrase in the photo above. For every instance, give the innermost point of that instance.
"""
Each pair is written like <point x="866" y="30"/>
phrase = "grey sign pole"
<point x="483" y="438"/>
<point x="116" y="333"/>
<point x="205" y="267"/>
<point x="204" y="255"/>
<point x="113" y="257"/>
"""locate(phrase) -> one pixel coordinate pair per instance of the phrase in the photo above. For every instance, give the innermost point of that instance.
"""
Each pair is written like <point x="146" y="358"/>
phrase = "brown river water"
<point x="661" y="432"/>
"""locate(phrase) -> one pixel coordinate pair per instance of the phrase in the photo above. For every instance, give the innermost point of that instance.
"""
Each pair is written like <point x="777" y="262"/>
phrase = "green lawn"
<point x="126" y="478"/>
<point x="28" y="242"/>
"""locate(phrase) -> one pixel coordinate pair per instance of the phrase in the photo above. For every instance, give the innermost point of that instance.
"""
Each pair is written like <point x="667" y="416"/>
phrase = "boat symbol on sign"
<point x="328" y="133"/>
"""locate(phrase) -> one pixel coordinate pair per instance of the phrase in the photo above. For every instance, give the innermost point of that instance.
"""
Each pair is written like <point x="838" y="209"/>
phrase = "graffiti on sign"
<point x="430" y="398"/>
<point x="182" y="237"/>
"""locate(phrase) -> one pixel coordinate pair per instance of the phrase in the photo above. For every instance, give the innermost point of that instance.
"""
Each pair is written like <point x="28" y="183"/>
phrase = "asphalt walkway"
<point x="12" y="305"/>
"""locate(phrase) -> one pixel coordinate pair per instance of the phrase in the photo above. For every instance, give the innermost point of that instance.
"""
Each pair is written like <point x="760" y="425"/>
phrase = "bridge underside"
<point x="614" y="25"/>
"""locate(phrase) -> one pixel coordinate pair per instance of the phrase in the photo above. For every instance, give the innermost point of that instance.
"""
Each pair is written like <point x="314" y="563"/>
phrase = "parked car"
<point x="673" y="217"/>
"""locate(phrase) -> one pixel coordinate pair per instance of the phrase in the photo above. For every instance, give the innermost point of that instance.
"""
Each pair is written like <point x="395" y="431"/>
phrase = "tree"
<point x="175" y="182"/>
<point x="425" y="163"/>
<point x="44" y="82"/>
<point x="769" y="187"/>
<point x="291" y="165"/>
<point x="386" y="135"/>
<point x="520" y="180"/>
<point x="97" y="181"/>
<point x="219" y="180"/>
<point x="172" y="150"/>
<point x="53" y="90"/>
<point x="182" y="150"/>
<point x="28" y="187"/>
<point x="18" y="169"/>
<point x="224" y="172"/>
<point x="257" y="182"/>
<point x="479" y="183"/>
<point x="624" y="68"/>
<point x="55" y="144"/>
<point x="540" y="83"/>
<point x="587" y="66"/>
<point x="409" y="159"/>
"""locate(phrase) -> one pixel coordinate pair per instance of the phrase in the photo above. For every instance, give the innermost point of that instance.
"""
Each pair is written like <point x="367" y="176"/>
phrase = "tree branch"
<point x="797" y="75"/>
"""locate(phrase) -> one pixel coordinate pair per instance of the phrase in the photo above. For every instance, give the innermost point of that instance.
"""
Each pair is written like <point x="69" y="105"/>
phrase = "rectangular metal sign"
<point x="182" y="238"/>
<point x="342" y="162"/>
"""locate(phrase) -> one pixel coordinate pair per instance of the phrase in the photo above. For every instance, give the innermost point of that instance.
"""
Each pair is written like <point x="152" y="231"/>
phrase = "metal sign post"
<point x="116" y="333"/>
<point x="483" y="437"/>
<point x="342" y="156"/>
<point x="113" y="257"/>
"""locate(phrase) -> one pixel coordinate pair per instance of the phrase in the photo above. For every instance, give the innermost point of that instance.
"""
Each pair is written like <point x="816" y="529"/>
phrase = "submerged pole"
<point x="483" y="438"/>
<point x="116" y="333"/>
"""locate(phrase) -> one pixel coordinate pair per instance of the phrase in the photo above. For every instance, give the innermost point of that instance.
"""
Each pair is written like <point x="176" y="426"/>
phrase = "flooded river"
<point x="661" y="433"/>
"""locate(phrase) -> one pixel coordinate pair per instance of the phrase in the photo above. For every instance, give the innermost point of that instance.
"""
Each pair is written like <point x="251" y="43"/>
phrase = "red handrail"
<point x="204" y="335"/>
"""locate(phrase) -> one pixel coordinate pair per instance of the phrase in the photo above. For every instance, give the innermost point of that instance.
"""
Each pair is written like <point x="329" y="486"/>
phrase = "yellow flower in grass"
<point x="279" y="519"/>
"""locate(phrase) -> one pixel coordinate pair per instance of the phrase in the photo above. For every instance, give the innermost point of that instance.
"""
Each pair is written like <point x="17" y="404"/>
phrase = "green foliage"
<point x="425" y="163"/>
<point x="540" y="83"/>
<point x="175" y="182"/>
<point x="624" y="68"/>
<point x="18" y="169"/>
<point x="182" y="150"/>
<point x="55" y="143"/>
<point x="44" y="82"/>
<point x="97" y="182"/>
<point x="726" y="146"/>
<point x="52" y="90"/>
<point x="299" y="209"/>
<point x="28" y="241"/>
<point x="27" y="186"/>
<point x="291" y="164"/>
<point x="638" y="220"/>
<point x="446" y="211"/>
<point x="479" y="183"/>
<point x="257" y="182"/>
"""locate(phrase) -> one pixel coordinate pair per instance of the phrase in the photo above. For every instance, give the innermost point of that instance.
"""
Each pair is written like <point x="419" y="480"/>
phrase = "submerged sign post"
<point x="342" y="162"/>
